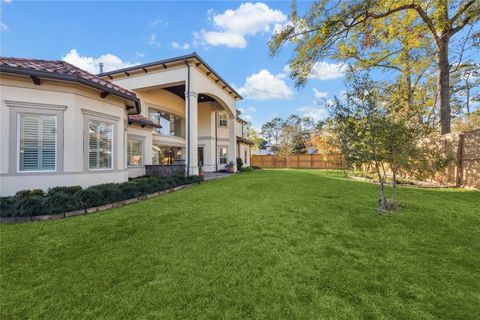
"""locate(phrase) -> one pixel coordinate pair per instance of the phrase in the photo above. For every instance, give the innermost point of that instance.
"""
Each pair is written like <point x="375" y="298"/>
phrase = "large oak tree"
<point x="379" y="33"/>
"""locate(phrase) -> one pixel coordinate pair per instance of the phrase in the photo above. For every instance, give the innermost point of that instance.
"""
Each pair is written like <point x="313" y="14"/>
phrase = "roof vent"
<point x="100" y="65"/>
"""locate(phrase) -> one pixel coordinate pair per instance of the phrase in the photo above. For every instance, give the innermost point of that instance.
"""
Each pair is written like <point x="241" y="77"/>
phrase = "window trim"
<point x="112" y="146"/>
<point x="88" y="116"/>
<point x="220" y="114"/>
<point x="142" y="140"/>
<point x="19" y="135"/>
<point x="34" y="108"/>
<point x="220" y="154"/>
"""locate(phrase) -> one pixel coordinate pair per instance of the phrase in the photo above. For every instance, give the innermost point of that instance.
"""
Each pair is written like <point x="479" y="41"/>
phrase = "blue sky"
<point x="231" y="36"/>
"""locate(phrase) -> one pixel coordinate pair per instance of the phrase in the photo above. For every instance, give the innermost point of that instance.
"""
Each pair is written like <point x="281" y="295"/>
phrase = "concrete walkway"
<point x="215" y="175"/>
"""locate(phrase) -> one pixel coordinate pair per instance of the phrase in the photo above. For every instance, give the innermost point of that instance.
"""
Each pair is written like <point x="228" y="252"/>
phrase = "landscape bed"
<point x="271" y="244"/>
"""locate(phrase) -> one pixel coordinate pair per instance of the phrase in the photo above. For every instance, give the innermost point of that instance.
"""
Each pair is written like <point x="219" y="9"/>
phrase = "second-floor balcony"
<point x="171" y="124"/>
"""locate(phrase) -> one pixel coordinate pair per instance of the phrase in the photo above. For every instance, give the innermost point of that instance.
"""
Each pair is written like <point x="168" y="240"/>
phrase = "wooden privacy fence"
<point x="306" y="161"/>
<point x="463" y="152"/>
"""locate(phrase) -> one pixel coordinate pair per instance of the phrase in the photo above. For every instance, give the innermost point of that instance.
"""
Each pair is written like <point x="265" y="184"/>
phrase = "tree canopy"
<point x="401" y="35"/>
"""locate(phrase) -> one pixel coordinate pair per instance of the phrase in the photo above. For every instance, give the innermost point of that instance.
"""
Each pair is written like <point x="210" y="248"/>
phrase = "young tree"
<point x="367" y="130"/>
<point x="331" y="27"/>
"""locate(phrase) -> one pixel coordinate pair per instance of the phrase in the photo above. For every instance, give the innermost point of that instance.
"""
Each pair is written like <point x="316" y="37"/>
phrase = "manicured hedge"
<point x="65" y="199"/>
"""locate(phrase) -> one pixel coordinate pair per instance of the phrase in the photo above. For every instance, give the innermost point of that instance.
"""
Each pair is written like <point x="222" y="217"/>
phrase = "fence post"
<point x="459" y="166"/>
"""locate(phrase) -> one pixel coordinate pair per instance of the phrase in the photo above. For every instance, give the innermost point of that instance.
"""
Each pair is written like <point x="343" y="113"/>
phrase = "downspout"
<point x="188" y="116"/>
<point x="216" y="143"/>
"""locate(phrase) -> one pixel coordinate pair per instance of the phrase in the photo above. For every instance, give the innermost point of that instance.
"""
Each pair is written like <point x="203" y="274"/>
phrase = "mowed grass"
<point x="271" y="244"/>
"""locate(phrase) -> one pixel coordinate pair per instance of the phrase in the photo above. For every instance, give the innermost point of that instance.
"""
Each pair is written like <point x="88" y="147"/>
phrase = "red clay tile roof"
<point x="63" y="71"/>
<point x="143" y="121"/>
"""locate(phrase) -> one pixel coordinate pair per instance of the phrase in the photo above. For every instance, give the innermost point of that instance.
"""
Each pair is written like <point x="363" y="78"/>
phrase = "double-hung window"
<point x="100" y="145"/>
<point x="222" y="119"/>
<point x="223" y="155"/>
<point x="38" y="142"/>
<point x="134" y="152"/>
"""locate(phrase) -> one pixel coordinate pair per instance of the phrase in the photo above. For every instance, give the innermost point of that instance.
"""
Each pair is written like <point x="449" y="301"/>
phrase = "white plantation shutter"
<point x="38" y="142"/>
<point x="100" y="145"/>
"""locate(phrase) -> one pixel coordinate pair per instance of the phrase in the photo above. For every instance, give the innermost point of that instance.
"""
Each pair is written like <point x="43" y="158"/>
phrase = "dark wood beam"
<point x="128" y="74"/>
<point x="104" y="94"/>
<point x="111" y="78"/>
<point x="145" y="70"/>
<point x="198" y="64"/>
<point x="130" y="107"/>
<point x="216" y="81"/>
<point x="208" y="73"/>
<point x="164" y="66"/>
<point x="36" y="80"/>
<point x="224" y="87"/>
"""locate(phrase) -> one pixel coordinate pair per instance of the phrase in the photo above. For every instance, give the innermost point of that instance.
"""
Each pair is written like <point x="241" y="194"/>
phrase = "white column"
<point x="191" y="134"/>
<point x="232" y="144"/>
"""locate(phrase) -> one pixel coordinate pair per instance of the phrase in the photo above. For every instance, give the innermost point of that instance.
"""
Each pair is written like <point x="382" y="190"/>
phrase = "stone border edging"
<point x="46" y="217"/>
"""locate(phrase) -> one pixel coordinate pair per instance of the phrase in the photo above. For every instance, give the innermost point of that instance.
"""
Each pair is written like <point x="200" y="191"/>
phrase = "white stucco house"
<point x="62" y="126"/>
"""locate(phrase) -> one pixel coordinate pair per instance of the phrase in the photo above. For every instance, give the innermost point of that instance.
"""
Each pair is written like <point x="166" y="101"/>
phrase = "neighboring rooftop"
<point x="61" y="70"/>
<point x="164" y="63"/>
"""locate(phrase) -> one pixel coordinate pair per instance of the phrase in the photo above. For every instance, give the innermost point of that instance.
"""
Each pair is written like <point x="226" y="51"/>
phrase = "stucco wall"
<point x="78" y="103"/>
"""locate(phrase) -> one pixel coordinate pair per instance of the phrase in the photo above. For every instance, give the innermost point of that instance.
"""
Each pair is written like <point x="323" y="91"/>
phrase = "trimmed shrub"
<point x="129" y="190"/>
<point x="7" y="206"/>
<point x="239" y="164"/>
<point x="30" y="193"/>
<point x="29" y="206"/>
<point x="65" y="190"/>
<point x="64" y="199"/>
<point x="59" y="202"/>
<point x="247" y="169"/>
<point x="89" y="197"/>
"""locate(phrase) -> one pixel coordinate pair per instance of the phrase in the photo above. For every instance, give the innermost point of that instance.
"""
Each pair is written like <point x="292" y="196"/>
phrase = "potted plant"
<point x="230" y="167"/>
<point x="200" y="169"/>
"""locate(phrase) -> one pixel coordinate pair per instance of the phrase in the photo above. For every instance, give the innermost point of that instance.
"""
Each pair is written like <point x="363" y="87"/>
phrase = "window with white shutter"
<point x="38" y="142"/>
<point x="100" y="145"/>
<point x="134" y="152"/>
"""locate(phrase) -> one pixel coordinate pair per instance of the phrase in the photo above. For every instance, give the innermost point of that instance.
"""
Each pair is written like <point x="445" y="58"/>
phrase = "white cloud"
<point x="90" y="64"/>
<point x="152" y="40"/>
<point x="215" y="38"/>
<point x="158" y="22"/>
<point x="265" y="86"/>
<point x="3" y="26"/>
<point x="326" y="71"/>
<point x="247" y="117"/>
<point x="183" y="46"/>
<point x="252" y="109"/>
<point x="315" y="112"/>
<point x="233" y="25"/>
<point x="322" y="71"/>
<point x="139" y="54"/>
<point x="319" y="94"/>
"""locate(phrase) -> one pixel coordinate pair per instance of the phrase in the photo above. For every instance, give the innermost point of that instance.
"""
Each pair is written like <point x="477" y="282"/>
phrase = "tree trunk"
<point x="443" y="83"/>
<point x="394" y="184"/>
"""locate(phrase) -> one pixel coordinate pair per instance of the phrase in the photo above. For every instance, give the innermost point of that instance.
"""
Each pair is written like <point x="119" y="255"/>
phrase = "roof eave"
<point x="70" y="78"/>
<point x="193" y="55"/>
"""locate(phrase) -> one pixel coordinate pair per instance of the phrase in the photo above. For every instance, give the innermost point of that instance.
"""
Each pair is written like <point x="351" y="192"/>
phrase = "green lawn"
<point x="271" y="244"/>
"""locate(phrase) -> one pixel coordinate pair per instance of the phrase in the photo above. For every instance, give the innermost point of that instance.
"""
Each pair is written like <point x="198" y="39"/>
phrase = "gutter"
<point x="216" y="143"/>
<point x="188" y="115"/>
<point x="72" y="78"/>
